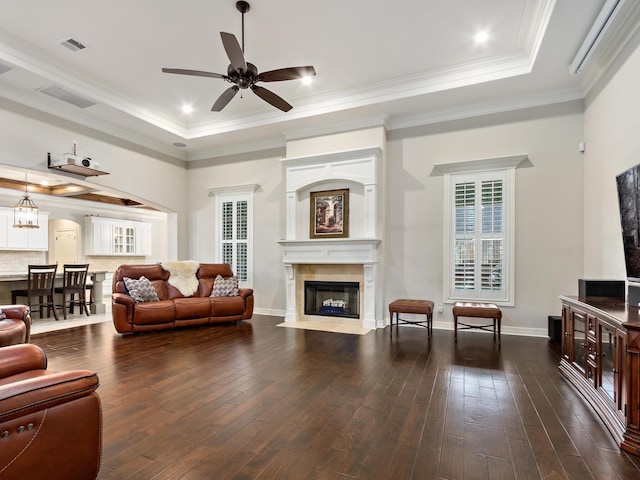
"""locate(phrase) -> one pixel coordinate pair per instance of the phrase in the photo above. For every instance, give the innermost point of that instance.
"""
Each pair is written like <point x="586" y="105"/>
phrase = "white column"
<point x="290" y="284"/>
<point x="370" y="211"/>
<point x="291" y="215"/>
<point x="369" y="314"/>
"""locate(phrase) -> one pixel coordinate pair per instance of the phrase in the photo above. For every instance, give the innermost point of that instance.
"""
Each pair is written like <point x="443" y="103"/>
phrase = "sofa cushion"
<point x="141" y="289"/>
<point x="193" y="307"/>
<point x="227" y="306"/>
<point x="152" y="313"/>
<point x="225" y="287"/>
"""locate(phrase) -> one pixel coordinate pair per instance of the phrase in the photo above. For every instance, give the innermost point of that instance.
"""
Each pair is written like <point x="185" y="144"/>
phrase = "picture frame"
<point x="329" y="214"/>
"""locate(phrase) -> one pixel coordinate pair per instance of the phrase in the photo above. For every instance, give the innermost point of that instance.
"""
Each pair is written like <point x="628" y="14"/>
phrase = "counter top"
<point x="613" y="308"/>
<point x="16" y="276"/>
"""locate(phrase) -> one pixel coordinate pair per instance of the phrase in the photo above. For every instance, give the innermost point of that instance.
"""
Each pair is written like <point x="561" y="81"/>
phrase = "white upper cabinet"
<point x="23" y="238"/>
<point x="111" y="236"/>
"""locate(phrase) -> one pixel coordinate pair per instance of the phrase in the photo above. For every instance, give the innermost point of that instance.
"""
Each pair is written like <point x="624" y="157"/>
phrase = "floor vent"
<point x="65" y="96"/>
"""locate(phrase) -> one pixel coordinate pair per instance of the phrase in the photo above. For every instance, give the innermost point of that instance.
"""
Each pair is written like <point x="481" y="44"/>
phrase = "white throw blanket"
<point x="183" y="276"/>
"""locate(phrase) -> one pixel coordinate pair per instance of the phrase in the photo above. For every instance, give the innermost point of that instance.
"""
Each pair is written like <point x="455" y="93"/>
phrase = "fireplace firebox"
<point x="332" y="299"/>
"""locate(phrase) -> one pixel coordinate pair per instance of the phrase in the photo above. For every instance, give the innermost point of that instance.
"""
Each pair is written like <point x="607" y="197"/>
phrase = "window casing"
<point x="479" y="239"/>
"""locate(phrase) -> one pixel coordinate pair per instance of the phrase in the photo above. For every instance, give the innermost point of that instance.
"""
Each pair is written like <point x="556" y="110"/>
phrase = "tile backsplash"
<point x="16" y="261"/>
<point x="111" y="263"/>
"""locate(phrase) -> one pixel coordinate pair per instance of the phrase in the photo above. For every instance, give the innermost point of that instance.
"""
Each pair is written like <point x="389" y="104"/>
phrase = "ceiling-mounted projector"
<point x="75" y="164"/>
<point x="69" y="159"/>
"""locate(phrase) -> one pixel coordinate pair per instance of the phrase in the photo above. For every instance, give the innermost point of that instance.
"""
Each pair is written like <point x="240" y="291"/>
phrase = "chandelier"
<point x="25" y="212"/>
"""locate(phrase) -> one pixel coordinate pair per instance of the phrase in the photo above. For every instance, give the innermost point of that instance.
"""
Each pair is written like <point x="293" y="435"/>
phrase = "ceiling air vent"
<point x="65" y="96"/>
<point x="72" y="44"/>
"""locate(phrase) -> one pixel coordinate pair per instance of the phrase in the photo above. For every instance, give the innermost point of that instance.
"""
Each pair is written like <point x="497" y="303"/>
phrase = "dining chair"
<point x="40" y="285"/>
<point x="74" y="282"/>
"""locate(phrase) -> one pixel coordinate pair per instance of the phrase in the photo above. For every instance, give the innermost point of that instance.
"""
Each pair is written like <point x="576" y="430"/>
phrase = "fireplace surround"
<point x="328" y="258"/>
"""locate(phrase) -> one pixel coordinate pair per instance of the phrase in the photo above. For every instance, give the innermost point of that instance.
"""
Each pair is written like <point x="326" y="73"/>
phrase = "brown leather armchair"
<point x="16" y="326"/>
<point x="50" y="422"/>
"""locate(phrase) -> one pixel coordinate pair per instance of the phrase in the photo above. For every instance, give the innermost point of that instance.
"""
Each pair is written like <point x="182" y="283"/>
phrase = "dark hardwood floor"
<point x="256" y="401"/>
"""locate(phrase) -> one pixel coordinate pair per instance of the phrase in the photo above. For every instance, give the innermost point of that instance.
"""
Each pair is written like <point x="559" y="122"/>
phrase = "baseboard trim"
<point x="271" y="312"/>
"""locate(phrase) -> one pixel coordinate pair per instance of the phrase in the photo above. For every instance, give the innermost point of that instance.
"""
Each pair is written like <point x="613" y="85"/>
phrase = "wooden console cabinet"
<point x="601" y="358"/>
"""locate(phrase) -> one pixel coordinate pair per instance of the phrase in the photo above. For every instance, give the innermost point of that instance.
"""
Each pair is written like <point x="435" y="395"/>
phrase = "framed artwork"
<point x="329" y="214"/>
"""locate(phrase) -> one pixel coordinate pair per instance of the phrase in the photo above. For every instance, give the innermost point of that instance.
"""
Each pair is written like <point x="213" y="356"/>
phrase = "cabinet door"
<point x="38" y="238"/>
<point x="17" y="238"/>
<point x="27" y="238"/>
<point x="611" y="356"/>
<point x="99" y="236"/>
<point x="3" y="229"/>
<point x="143" y="238"/>
<point x="592" y="350"/>
<point x="129" y="240"/>
<point x="567" y="329"/>
<point x="579" y="336"/>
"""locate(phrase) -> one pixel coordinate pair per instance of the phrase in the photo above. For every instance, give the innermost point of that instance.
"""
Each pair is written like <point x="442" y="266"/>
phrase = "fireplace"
<point x="332" y="299"/>
<point x="355" y="258"/>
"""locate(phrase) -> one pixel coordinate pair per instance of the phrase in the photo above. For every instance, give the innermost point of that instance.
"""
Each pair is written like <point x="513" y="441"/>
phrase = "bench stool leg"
<point x="455" y="328"/>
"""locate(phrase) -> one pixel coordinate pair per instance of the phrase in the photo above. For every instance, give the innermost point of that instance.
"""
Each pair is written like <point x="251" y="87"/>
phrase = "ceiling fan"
<point x="245" y="75"/>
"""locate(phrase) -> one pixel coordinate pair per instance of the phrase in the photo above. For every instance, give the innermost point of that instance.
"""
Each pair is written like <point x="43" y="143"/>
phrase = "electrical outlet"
<point x="440" y="308"/>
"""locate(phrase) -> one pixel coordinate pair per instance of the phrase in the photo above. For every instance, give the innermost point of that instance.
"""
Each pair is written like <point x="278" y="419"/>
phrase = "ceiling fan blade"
<point x="290" y="73"/>
<point x="234" y="52"/>
<point x="225" y="98"/>
<point x="270" y="97"/>
<point x="195" y="73"/>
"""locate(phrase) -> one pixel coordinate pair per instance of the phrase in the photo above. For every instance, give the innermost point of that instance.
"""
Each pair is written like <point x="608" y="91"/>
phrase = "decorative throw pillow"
<point x="225" y="287"/>
<point x="141" y="290"/>
<point x="2" y="315"/>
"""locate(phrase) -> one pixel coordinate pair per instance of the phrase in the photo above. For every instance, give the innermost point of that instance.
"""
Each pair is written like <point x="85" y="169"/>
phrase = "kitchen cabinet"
<point x="23" y="238"/>
<point x="111" y="236"/>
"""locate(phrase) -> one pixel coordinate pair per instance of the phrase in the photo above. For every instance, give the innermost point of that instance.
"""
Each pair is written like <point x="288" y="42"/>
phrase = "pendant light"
<point x="25" y="212"/>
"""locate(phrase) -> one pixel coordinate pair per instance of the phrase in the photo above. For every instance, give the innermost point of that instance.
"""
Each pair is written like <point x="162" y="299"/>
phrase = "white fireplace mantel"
<point x="362" y="166"/>
<point x="330" y="251"/>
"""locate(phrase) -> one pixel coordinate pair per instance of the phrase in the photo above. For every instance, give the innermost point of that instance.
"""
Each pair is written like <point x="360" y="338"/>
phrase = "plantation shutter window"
<point x="234" y="220"/>
<point x="479" y="237"/>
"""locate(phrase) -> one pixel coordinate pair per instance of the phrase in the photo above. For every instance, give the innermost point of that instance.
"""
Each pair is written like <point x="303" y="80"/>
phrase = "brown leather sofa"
<point x="175" y="310"/>
<point x="50" y="422"/>
<point x="16" y="327"/>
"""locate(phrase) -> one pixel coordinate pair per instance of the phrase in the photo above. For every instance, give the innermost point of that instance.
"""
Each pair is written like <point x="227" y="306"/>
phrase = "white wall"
<point x="265" y="170"/>
<point x="26" y="136"/>
<point x="548" y="245"/>
<point x="549" y="195"/>
<point x="612" y="119"/>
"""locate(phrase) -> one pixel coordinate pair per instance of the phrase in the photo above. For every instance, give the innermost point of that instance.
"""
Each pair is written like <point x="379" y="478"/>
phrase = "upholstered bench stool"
<point x="420" y="307"/>
<point x="477" y="310"/>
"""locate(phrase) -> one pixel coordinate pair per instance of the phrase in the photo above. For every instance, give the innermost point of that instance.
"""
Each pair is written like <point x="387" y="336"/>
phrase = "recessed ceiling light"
<point x="481" y="37"/>
<point x="307" y="80"/>
<point x="187" y="109"/>
<point x="179" y="144"/>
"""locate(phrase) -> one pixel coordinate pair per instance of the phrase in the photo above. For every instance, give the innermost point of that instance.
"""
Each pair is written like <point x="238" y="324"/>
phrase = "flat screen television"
<point x="628" y="183"/>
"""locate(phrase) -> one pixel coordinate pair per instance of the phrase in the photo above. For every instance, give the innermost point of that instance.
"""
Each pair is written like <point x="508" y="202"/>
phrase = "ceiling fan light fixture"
<point x="244" y="75"/>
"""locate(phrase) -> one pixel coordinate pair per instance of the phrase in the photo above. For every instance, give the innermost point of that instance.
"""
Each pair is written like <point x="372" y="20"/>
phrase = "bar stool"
<point x="40" y="284"/>
<point x="74" y="283"/>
